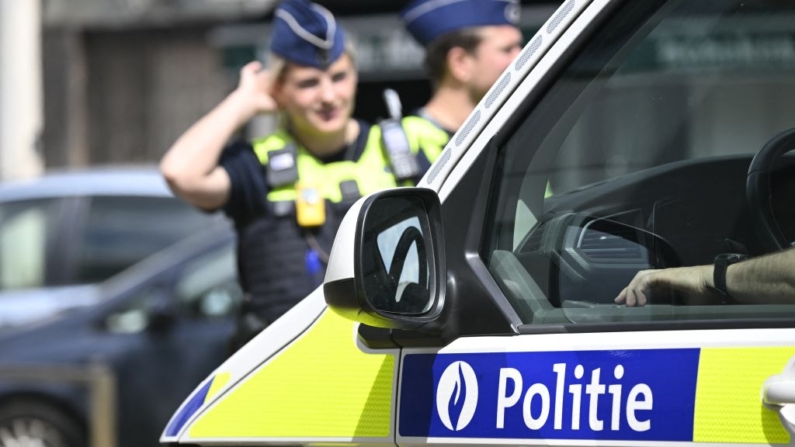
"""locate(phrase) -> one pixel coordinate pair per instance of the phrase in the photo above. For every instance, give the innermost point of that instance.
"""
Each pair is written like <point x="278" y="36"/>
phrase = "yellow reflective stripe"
<point x="275" y="141"/>
<point x="218" y="382"/>
<point x="424" y="134"/>
<point x="374" y="173"/>
<point x="321" y="385"/>
<point x="729" y="408"/>
<point x="370" y="171"/>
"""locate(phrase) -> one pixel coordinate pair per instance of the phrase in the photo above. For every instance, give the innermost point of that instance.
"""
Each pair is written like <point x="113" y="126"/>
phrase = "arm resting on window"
<point x="767" y="279"/>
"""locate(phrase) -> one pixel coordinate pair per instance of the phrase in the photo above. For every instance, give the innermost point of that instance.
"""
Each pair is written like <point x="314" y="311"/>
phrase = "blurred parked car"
<point x="161" y="327"/>
<point x="68" y="230"/>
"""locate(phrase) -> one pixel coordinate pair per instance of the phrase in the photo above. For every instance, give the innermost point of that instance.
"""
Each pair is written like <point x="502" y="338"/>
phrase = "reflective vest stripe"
<point x="370" y="171"/>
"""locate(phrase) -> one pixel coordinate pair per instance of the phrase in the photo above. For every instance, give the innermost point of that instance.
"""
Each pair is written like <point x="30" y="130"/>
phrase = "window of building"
<point x="208" y="287"/>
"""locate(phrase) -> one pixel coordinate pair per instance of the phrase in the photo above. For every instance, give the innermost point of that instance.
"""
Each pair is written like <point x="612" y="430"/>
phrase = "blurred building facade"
<point x="123" y="78"/>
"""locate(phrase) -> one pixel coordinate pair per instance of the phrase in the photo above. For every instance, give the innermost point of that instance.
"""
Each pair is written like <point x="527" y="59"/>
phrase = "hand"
<point x="691" y="282"/>
<point x="254" y="90"/>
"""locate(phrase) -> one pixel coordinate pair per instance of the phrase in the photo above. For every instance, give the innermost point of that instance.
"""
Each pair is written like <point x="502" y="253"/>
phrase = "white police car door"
<point x="638" y="125"/>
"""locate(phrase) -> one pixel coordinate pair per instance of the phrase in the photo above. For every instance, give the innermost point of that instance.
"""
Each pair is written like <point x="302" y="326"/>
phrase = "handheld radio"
<point x="404" y="163"/>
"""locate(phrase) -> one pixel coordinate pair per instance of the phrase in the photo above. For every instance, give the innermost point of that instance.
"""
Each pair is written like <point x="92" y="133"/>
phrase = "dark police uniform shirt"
<point x="247" y="176"/>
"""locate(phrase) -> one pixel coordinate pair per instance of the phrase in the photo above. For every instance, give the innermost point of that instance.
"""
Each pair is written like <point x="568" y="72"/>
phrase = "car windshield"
<point x="636" y="156"/>
<point x="668" y="81"/>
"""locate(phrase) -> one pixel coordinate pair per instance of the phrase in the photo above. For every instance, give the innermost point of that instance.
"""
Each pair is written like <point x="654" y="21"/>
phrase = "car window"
<point x="208" y="287"/>
<point x="120" y="231"/>
<point x="636" y="158"/>
<point x="205" y="288"/>
<point x="26" y="230"/>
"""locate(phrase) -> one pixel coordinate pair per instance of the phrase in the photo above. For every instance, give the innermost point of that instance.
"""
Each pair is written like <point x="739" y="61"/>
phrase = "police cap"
<point x="307" y="34"/>
<point x="428" y="19"/>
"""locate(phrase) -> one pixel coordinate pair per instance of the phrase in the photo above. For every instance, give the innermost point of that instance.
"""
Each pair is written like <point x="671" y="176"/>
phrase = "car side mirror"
<point x="161" y="313"/>
<point x="386" y="268"/>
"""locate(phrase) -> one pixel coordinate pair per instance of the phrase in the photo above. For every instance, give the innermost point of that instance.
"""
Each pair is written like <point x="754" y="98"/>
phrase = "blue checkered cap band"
<point x="428" y="19"/>
<point x="307" y="34"/>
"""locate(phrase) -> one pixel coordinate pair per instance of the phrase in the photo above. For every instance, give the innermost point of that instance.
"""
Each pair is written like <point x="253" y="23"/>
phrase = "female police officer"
<point x="287" y="192"/>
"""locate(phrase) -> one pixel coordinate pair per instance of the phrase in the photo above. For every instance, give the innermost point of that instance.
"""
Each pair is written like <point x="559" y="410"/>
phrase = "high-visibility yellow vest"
<point x="273" y="248"/>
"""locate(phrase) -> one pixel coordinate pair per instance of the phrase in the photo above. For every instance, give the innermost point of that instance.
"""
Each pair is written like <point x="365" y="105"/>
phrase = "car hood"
<point x="243" y="365"/>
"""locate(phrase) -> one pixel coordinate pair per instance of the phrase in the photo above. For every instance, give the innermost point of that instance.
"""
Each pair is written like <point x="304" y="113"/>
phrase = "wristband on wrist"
<point x="721" y="265"/>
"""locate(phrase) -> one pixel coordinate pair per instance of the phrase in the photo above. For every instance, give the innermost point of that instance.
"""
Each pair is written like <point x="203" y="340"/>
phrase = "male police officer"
<point x="468" y="44"/>
<point x="287" y="192"/>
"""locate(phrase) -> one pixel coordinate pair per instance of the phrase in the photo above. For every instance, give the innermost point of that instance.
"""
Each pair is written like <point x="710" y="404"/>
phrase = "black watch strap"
<point x="722" y="263"/>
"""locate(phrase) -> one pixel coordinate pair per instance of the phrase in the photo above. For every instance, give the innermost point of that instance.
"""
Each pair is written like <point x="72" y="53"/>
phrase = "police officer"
<point x="468" y="44"/>
<point x="288" y="191"/>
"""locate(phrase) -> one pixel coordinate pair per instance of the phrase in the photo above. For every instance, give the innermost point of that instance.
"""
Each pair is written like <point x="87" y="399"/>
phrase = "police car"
<point x="480" y="308"/>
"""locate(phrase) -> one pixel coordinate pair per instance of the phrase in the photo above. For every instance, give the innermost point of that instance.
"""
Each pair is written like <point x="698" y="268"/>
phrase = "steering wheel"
<point x="757" y="189"/>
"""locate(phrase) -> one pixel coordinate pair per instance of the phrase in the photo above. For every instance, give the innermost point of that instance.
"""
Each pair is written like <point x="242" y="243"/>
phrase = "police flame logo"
<point x="457" y="396"/>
